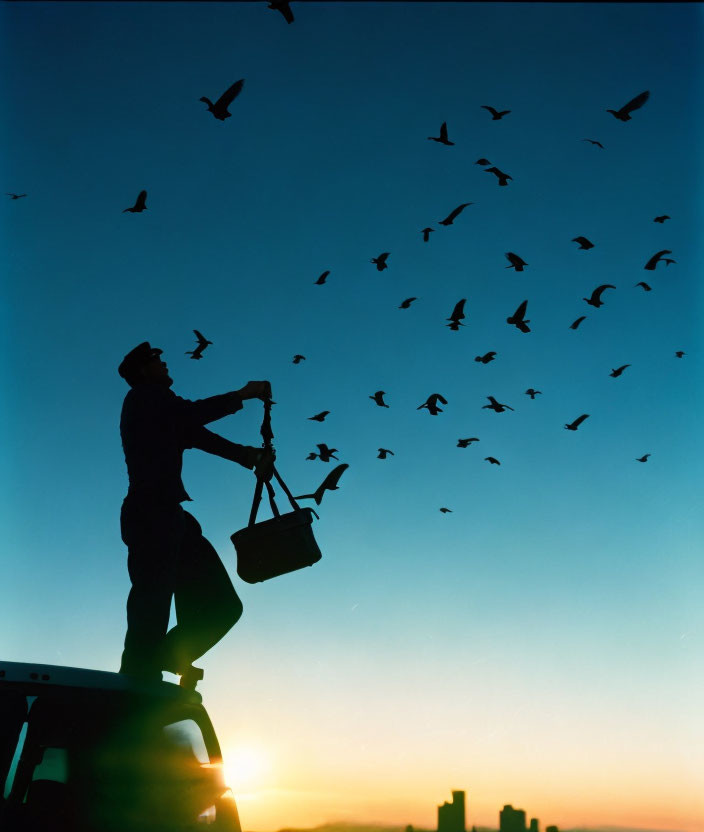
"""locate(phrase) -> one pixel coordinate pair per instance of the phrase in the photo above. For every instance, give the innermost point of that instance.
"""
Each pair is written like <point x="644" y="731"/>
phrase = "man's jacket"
<point x="156" y="426"/>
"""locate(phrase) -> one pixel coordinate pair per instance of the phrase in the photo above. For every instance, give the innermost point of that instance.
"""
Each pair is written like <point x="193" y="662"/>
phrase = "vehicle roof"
<point x="33" y="678"/>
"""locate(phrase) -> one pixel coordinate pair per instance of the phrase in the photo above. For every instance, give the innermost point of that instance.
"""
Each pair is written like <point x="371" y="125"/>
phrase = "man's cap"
<point x="137" y="358"/>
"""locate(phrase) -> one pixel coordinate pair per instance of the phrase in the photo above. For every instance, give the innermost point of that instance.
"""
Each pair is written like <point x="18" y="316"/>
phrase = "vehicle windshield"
<point x="107" y="763"/>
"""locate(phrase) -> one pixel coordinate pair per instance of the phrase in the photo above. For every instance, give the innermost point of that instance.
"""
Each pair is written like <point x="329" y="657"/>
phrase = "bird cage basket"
<point x="281" y="544"/>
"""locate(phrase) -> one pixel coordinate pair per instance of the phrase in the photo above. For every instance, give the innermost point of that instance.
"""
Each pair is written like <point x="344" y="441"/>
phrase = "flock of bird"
<point x="220" y="111"/>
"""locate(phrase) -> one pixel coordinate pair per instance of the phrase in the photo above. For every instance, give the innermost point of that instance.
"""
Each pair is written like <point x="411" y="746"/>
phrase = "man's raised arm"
<point x="203" y="411"/>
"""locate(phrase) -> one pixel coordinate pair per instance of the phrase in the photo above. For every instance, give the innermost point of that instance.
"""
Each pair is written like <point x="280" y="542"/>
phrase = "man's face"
<point x="155" y="371"/>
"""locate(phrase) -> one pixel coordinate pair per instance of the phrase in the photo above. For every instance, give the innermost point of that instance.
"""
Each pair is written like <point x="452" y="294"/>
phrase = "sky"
<point x="539" y="645"/>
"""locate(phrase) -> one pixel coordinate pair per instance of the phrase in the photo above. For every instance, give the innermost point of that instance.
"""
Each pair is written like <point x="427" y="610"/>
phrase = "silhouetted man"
<point x="168" y="557"/>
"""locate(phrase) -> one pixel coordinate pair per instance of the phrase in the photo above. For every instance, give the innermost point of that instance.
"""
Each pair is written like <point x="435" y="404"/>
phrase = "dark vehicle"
<point x="91" y="751"/>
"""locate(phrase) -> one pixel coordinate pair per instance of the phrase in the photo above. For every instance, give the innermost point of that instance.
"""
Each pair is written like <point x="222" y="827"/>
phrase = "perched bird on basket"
<point x="442" y="138"/>
<point x="662" y="218"/>
<point x="330" y="483"/>
<point x="319" y="417"/>
<point x="617" y="372"/>
<point x="577" y="422"/>
<point x="584" y="243"/>
<point x="518" y="318"/>
<point x="383" y="453"/>
<point x="592" y="141"/>
<point x="283" y="7"/>
<point x="406" y="303"/>
<point x="431" y="404"/>
<point x="497" y="407"/>
<point x="426" y="232"/>
<point x="533" y="393"/>
<point x="298" y="358"/>
<point x="624" y="114"/>
<point x="450" y="218"/>
<point x="652" y="263"/>
<point x="465" y="443"/>
<point x="446" y="510"/>
<point x="576" y="323"/>
<point x="495" y="114"/>
<point x="645" y="286"/>
<point x="457" y="315"/>
<point x="202" y="344"/>
<point x="322" y="278"/>
<point x="16" y="196"/>
<point x="516" y="262"/>
<point x="487" y="357"/>
<point x="492" y="459"/>
<point x="380" y="261"/>
<point x="680" y="353"/>
<point x="219" y="109"/>
<point x="378" y="397"/>
<point x="500" y="175"/>
<point x="595" y="299"/>
<point x="643" y="458"/>
<point x="140" y="204"/>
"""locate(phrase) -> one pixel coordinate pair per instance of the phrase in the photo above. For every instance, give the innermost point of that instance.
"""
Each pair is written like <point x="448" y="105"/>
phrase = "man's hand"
<point x="264" y="465"/>
<point x="255" y="390"/>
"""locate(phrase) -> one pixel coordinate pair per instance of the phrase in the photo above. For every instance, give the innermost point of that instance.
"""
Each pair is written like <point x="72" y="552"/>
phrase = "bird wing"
<point x="141" y="200"/>
<point x="490" y="109"/>
<point x="636" y="103"/>
<point x="333" y="477"/>
<point x="650" y="265"/>
<point x="576" y="323"/>
<point x="443" y="130"/>
<point x="515" y="259"/>
<point x="492" y="400"/>
<point x="458" y="311"/>
<point x="493" y="170"/>
<point x="578" y="421"/>
<point x="230" y="94"/>
<point x="201" y="338"/>
<point x="597" y="293"/>
<point x="520" y="313"/>
<point x="438" y="397"/>
<point x="285" y="10"/>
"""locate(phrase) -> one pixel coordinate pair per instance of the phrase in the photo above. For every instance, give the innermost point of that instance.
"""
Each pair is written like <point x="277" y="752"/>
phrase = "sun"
<point x="244" y="767"/>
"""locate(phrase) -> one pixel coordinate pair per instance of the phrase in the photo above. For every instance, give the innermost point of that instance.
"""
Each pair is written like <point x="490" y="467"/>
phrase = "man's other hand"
<point x="256" y="390"/>
<point x="264" y="464"/>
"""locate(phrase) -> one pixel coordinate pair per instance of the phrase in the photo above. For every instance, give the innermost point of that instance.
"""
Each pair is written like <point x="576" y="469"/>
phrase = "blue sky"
<point x="559" y="602"/>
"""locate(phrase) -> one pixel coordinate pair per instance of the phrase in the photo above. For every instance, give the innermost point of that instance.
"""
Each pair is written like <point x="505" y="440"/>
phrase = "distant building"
<point x="534" y="825"/>
<point x="512" y="820"/>
<point x="451" y="816"/>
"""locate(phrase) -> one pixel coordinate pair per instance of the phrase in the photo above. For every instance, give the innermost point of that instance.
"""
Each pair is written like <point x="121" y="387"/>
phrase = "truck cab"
<point x="92" y="751"/>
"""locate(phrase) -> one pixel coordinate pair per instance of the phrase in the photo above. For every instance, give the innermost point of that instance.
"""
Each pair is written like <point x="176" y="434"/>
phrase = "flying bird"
<point x="487" y="357"/>
<point x="595" y="299"/>
<point x="533" y="393"/>
<point x="495" y="114"/>
<point x="383" y="452"/>
<point x="492" y="459"/>
<point x="432" y="404"/>
<point x="464" y="443"/>
<point x="330" y="483"/>
<point x="645" y="286"/>
<point x="518" y="318"/>
<point x="482" y="161"/>
<point x="219" y="109"/>
<point x="624" y="114"/>
<point x="617" y="372"/>
<point x="442" y="138"/>
<point x="312" y="455"/>
<point x="516" y="262"/>
<point x="500" y="175"/>
<point x="652" y="263"/>
<point x="283" y="7"/>
<point x="406" y="303"/>
<point x="457" y="315"/>
<point x="577" y="422"/>
<point x="298" y="358"/>
<point x="16" y="196"/>
<point x="380" y="261"/>
<point x="326" y="454"/>
<point x="576" y="323"/>
<point x="319" y="417"/>
<point x="322" y="278"/>
<point x="202" y="344"/>
<point x="591" y="141"/>
<point x="446" y="510"/>
<point x="426" y="232"/>
<point x="643" y="458"/>
<point x="378" y="397"/>
<point x="680" y="353"/>
<point x="583" y="242"/>
<point x="449" y="219"/>
<point x="496" y="406"/>
<point x="141" y="204"/>
<point x="662" y="218"/>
